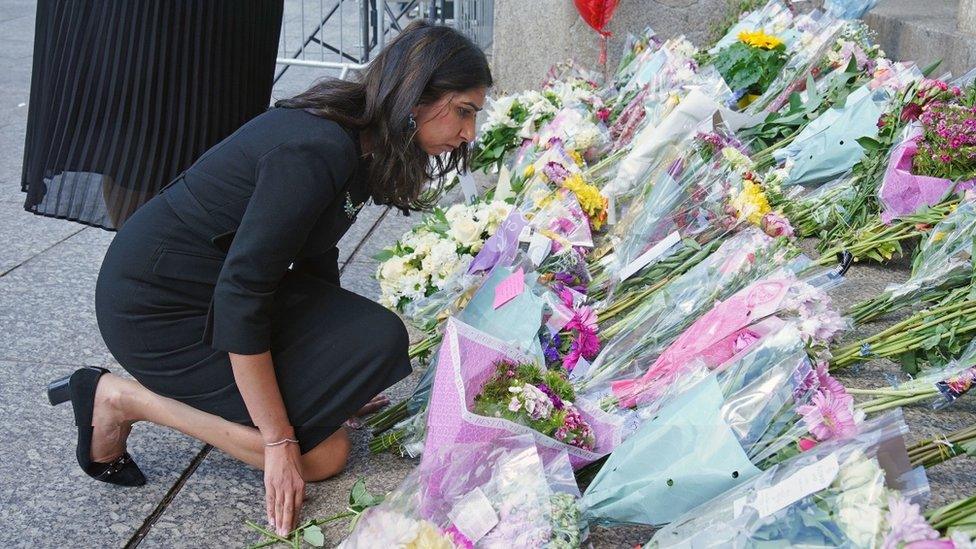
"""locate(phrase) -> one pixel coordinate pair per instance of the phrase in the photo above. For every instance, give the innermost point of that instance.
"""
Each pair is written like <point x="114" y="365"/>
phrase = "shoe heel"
<point x="58" y="391"/>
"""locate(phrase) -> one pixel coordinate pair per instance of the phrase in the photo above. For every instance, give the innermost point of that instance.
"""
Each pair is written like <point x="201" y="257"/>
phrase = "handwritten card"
<point x="510" y="288"/>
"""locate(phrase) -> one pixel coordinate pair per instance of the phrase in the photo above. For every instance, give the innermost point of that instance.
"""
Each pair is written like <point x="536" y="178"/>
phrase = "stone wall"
<point x="532" y="35"/>
<point x="926" y="31"/>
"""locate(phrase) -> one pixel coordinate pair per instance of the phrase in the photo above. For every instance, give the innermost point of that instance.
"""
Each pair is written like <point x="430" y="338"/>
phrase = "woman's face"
<point x="444" y="125"/>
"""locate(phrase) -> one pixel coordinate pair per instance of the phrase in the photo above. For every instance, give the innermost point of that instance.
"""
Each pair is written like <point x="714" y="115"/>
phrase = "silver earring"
<point x="411" y="123"/>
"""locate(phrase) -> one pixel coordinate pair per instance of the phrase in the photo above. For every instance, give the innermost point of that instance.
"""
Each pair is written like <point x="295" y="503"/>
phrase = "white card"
<point x="473" y="515"/>
<point x="539" y="247"/>
<point x="582" y="366"/>
<point x="503" y="189"/>
<point x="468" y="187"/>
<point x="650" y="255"/>
<point x="806" y="481"/>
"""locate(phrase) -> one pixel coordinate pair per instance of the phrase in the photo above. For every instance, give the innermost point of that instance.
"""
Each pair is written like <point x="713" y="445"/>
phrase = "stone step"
<point x="925" y="31"/>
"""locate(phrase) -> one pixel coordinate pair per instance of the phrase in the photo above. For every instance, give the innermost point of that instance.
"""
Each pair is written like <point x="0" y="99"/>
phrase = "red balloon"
<point x="597" y="13"/>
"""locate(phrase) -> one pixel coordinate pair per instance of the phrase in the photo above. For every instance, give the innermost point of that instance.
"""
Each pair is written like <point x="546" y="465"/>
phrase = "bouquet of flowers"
<point x="644" y="332"/>
<point x="532" y="396"/>
<point x="690" y="200"/>
<point x="752" y="63"/>
<point x="482" y="494"/>
<point x="654" y="89"/>
<point x="774" y="17"/>
<point x="510" y="120"/>
<point x="734" y="326"/>
<point x="634" y="47"/>
<point x="812" y="38"/>
<point x="764" y="408"/>
<point x="429" y="256"/>
<point x="944" y="261"/>
<point x="468" y="361"/>
<point x="937" y="156"/>
<point x="849" y="493"/>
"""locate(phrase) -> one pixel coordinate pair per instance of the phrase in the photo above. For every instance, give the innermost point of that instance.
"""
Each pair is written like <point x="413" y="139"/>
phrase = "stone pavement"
<point x="195" y="496"/>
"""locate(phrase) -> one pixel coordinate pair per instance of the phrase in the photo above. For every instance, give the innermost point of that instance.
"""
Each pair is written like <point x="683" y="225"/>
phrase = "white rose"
<point x="466" y="231"/>
<point x="456" y="212"/>
<point x="393" y="268"/>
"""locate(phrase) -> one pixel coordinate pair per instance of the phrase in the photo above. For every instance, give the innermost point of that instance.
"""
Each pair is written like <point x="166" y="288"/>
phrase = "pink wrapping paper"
<point x="466" y="360"/>
<point x="712" y="338"/>
<point x="904" y="193"/>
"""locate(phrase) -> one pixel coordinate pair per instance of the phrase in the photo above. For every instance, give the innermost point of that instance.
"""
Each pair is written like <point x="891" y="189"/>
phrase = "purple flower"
<point x="557" y="402"/>
<point x="555" y="172"/>
<point x="908" y="526"/>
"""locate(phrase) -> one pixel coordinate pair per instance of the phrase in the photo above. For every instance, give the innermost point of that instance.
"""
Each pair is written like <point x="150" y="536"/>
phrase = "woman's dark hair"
<point x="418" y="67"/>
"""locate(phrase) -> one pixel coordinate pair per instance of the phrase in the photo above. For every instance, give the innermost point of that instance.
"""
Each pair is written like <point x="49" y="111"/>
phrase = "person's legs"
<point x="121" y="402"/>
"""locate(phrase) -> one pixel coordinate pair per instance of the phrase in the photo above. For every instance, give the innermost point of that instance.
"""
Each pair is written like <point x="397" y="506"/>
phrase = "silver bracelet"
<point x="280" y="442"/>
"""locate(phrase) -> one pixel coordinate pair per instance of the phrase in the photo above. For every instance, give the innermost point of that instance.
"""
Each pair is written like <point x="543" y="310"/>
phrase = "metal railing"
<point x="342" y="35"/>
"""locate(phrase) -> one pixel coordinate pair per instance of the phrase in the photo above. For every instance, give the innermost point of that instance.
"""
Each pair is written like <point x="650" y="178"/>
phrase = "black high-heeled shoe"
<point x="79" y="388"/>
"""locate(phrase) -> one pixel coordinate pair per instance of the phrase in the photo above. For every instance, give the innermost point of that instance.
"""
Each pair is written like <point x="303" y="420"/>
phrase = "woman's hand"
<point x="284" y="486"/>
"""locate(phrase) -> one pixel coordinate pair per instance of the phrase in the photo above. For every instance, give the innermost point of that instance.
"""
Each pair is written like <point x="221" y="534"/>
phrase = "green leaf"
<point x="360" y="499"/>
<point x="932" y="341"/>
<point x="384" y="254"/>
<point x="869" y="143"/>
<point x="909" y="362"/>
<point x="313" y="536"/>
<point x="358" y="492"/>
<point x="928" y="70"/>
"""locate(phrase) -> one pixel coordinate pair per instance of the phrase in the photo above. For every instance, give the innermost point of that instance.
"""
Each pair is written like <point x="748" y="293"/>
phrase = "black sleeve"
<point x="323" y="266"/>
<point x="295" y="182"/>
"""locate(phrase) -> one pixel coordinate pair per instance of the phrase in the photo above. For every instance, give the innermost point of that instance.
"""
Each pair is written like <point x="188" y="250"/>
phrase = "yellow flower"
<point x="759" y="39"/>
<point x="530" y="171"/>
<point x="429" y="537"/>
<point x="590" y="199"/>
<point x="577" y="157"/>
<point x="751" y="203"/>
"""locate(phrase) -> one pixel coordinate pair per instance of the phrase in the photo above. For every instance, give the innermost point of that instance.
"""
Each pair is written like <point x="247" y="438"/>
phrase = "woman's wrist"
<point x="275" y="436"/>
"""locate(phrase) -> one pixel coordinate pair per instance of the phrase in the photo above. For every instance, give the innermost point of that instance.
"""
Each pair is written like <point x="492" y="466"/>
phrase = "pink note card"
<point x="510" y="288"/>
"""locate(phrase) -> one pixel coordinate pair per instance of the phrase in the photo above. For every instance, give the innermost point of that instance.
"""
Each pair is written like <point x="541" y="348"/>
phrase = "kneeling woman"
<point x="221" y="295"/>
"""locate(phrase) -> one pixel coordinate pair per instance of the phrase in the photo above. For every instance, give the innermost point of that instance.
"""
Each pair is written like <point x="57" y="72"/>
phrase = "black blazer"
<point x="277" y="194"/>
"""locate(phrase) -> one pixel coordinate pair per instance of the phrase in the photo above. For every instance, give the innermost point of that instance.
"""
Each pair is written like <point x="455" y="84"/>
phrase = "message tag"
<point x="649" y="256"/>
<point x="503" y="189"/>
<point x="579" y="372"/>
<point x="468" y="187"/>
<point x="473" y="515"/>
<point x="561" y="314"/>
<point x="510" y="288"/>
<point x="539" y="247"/>
<point x="806" y="481"/>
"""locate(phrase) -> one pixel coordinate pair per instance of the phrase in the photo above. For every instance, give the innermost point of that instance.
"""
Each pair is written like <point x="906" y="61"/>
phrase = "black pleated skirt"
<point x="126" y="94"/>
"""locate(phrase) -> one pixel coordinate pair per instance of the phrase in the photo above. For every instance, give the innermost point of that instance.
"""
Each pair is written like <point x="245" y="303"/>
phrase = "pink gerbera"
<point x="828" y="417"/>
<point x="829" y="384"/>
